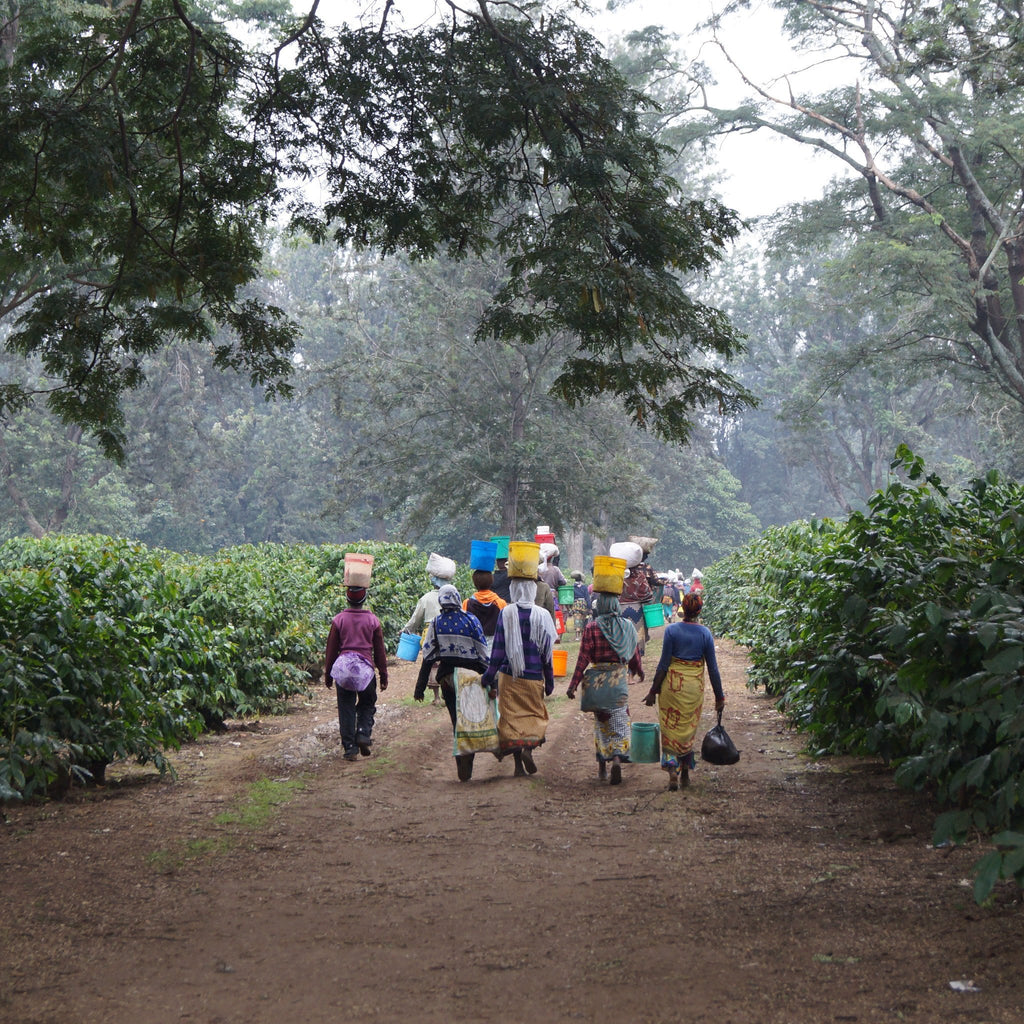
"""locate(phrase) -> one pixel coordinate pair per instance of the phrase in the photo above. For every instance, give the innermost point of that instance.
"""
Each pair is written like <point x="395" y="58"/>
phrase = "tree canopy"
<point x="146" y="145"/>
<point x="928" y="127"/>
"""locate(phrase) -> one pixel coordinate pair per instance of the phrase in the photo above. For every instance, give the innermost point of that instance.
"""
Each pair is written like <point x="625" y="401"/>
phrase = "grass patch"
<point x="253" y="810"/>
<point x="260" y="802"/>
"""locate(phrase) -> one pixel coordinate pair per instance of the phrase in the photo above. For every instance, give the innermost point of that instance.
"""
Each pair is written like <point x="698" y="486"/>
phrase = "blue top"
<point x="691" y="641"/>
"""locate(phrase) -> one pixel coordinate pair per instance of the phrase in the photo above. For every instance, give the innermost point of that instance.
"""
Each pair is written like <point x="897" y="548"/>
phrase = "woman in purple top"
<point x="520" y="674"/>
<point x="355" y="644"/>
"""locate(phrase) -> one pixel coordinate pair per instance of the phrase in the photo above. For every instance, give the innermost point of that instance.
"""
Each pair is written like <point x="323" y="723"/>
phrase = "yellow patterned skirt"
<point x="522" y="713"/>
<point x="680" y="704"/>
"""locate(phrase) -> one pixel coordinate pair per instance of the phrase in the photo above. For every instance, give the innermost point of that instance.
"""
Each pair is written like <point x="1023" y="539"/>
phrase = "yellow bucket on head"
<point x="523" y="559"/>
<point x="609" y="574"/>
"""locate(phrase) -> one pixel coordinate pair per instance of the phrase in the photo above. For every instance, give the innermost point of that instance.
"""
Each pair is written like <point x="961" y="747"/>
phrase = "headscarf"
<point x="448" y="596"/>
<point x="542" y="629"/>
<point x="619" y="632"/>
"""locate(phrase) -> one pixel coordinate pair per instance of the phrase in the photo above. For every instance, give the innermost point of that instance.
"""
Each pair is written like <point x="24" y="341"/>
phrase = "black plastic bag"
<point x="717" y="747"/>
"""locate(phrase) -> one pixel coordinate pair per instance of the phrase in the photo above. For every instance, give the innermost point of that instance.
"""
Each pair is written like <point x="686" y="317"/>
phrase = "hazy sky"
<point x="761" y="172"/>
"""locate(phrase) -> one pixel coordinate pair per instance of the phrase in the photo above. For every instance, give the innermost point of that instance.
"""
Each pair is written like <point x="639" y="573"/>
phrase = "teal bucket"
<point x="645" y="742"/>
<point x="408" y="647"/>
<point x="653" y="615"/>
<point x="502" y="543"/>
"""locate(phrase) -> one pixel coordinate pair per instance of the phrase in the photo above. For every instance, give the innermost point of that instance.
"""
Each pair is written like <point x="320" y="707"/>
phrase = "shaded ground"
<point x="776" y="890"/>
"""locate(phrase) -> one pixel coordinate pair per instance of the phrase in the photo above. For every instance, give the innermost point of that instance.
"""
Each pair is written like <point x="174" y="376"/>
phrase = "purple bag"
<point x="352" y="671"/>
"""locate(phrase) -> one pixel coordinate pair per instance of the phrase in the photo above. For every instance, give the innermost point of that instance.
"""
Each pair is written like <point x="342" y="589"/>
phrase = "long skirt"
<point x="679" y="707"/>
<point x="522" y="713"/>
<point x="611" y="734"/>
<point x="476" y="716"/>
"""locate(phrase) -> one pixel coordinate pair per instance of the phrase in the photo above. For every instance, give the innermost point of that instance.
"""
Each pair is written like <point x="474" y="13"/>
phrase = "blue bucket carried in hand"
<point x="482" y="555"/>
<point x="408" y="646"/>
<point x="645" y="742"/>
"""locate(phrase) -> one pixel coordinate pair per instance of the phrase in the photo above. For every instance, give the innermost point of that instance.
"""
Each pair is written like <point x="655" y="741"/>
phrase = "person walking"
<point x="484" y="603"/>
<point x="455" y="640"/>
<point x="520" y="674"/>
<point x="678" y="688"/>
<point x="440" y="571"/>
<point x="355" y="646"/>
<point x="580" y="603"/>
<point x="609" y="649"/>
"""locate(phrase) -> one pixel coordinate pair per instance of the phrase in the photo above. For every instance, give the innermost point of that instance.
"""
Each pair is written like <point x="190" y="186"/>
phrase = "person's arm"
<point x="582" y="661"/>
<point x="711" y="660"/>
<point x="331" y="654"/>
<point x="661" y="671"/>
<point x="636" y="665"/>
<point x="415" y="623"/>
<point x="380" y="655"/>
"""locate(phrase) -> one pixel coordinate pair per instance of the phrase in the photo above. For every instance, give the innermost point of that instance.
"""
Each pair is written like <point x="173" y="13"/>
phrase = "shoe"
<point x="364" y="747"/>
<point x="673" y="779"/>
<point x="464" y="765"/>
<point x="351" y="755"/>
<point x="616" y="774"/>
<point x="602" y="771"/>
<point x="528" y="764"/>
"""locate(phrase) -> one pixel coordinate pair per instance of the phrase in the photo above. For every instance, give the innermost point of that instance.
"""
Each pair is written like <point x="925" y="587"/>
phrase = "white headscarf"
<point x="542" y="629"/>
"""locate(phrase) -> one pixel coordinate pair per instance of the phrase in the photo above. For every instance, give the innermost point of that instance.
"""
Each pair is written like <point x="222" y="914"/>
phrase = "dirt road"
<point x="776" y="891"/>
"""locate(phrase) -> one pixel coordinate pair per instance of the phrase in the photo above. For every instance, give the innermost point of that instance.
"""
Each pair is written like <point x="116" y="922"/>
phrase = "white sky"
<point x="761" y="172"/>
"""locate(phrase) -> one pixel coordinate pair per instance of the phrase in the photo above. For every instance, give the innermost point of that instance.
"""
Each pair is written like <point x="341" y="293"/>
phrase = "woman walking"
<point x="355" y="645"/>
<point x="520" y="674"/>
<point x="454" y="641"/>
<point x="678" y="687"/>
<point x="609" y="648"/>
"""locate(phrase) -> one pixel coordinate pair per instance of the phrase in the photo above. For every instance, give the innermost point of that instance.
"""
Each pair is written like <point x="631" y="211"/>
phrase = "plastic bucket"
<point x="408" y="647"/>
<point x="482" y="554"/>
<point x="358" y="569"/>
<point x="523" y="559"/>
<point x="566" y="596"/>
<point x="653" y="615"/>
<point x="645" y="742"/>
<point x="609" y="574"/>
<point x="544" y="538"/>
<point x="502" y="543"/>
<point x="559" y="662"/>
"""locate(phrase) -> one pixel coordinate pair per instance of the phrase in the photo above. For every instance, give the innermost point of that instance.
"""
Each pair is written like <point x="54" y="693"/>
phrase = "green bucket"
<point x="653" y="615"/>
<point x="566" y="595"/>
<point x="645" y="742"/>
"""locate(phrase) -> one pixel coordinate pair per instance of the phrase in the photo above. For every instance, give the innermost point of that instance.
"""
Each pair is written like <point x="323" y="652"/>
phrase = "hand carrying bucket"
<point x="653" y="615"/>
<point x="408" y="647"/>
<point x="645" y="742"/>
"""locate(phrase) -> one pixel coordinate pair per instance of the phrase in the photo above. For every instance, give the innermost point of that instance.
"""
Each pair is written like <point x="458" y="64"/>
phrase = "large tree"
<point x="929" y="130"/>
<point x="145" y="146"/>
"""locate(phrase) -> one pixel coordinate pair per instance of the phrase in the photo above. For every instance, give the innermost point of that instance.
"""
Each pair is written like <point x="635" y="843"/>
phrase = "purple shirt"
<point x="357" y="630"/>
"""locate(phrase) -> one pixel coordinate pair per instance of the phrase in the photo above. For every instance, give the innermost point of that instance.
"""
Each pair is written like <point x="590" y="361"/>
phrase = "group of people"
<point x="489" y="659"/>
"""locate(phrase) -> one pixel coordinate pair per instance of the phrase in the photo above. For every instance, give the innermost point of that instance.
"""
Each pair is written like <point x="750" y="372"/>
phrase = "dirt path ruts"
<point x="776" y="890"/>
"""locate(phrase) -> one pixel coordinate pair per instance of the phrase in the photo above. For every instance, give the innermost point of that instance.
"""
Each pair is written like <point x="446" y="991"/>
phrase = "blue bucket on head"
<point x="408" y="646"/>
<point x="645" y="742"/>
<point x="482" y="555"/>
